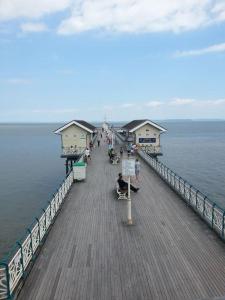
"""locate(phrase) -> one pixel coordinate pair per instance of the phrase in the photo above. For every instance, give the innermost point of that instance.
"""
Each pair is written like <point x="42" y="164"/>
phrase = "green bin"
<point x="79" y="170"/>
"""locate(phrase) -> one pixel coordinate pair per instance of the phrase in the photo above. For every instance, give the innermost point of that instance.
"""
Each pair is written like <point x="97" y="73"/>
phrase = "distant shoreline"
<point x="114" y="122"/>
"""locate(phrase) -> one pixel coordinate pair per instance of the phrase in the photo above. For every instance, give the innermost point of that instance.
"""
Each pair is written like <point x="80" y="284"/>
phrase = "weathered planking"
<point x="89" y="254"/>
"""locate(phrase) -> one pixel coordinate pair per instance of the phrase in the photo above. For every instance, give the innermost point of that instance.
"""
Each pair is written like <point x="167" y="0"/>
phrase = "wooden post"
<point x="67" y="167"/>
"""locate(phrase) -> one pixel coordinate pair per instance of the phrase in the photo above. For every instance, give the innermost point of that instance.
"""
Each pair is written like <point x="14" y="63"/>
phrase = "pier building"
<point x="75" y="137"/>
<point x="144" y="133"/>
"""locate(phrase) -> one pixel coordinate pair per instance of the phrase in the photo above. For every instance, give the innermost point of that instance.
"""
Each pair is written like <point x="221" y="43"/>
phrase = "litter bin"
<point x="79" y="171"/>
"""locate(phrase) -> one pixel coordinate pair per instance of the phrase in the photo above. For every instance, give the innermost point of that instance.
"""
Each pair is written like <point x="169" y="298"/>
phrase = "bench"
<point x="121" y="195"/>
<point x="115" y="160"/>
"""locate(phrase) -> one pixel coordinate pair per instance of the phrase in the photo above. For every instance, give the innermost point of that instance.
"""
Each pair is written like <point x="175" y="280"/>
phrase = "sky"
<point x="115" y="59"/>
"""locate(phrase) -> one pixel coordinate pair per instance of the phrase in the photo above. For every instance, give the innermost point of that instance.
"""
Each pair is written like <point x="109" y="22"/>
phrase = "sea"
<point x="31" y="169"/>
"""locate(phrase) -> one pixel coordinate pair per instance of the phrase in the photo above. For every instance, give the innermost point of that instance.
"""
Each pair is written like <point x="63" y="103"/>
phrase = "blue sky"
<point x="127" y="59"/>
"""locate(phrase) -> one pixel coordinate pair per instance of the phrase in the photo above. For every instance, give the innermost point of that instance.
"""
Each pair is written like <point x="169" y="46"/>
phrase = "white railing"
<point x="12" y="270"/>
<point x="77" y="150"/>
<point x="206" y="209"/>
<point x="151" y="149"/>
<point x="72" y="151"/>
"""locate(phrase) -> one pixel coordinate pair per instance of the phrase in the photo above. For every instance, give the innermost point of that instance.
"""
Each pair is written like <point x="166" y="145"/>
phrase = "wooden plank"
<point x="89" y="254"/>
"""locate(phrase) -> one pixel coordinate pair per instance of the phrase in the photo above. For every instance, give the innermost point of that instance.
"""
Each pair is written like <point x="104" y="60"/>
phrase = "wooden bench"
<point x="121" y="195"/>
<point x="115" y="160"/>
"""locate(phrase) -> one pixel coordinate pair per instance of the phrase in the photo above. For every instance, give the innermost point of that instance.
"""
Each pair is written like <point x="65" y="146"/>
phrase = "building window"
<point x="147" y="140"/>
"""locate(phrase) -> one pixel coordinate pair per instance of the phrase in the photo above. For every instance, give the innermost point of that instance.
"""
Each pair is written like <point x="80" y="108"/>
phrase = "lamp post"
<point x="128" y="169"/>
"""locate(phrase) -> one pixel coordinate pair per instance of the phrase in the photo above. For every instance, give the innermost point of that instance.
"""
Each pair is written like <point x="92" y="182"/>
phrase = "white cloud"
<point x="215" y="102"/>
<point x="12" y="9"/>
<point x="33" y="27"/>
<point x="212" y="49"/>
<point x="180" y="101"/>
<point x="127" y="105"/>
<point x="142" y="15"/>
<point x="55" y="111"/>
<point x="18" y="81"/>
<point x="120" y="15"/>
<point x="154" y="104"/>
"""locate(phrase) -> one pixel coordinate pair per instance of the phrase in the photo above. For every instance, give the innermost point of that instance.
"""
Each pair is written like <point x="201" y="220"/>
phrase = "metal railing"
<point x="14" y="268"/>
<point x="151" y="149"/>
<point x="206" y="209"/>
<point x="74" y="151"/>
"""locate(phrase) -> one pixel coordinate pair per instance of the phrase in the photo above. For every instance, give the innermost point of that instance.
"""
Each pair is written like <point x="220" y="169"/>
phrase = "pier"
<point x="169" y="252"/>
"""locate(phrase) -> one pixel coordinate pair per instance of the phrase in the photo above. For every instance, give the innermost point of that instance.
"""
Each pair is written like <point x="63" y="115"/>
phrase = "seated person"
<point x="112" y="154"/>
<point x="124" y="185"/>
<point x="121" y="151"/>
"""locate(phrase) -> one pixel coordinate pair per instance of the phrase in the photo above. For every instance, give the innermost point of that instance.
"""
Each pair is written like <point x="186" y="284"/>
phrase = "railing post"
<point x="21" y="250"/>
<point x="196" y="199"/>
<point x="49" y="202"/>
<point x="190" y="194"/>
<point x="31" y="242"/>
<point x="222" y="234"/>
<point x="203" y="213"/>
<point x="39" y="233"/>
<point x="213" y="206"/>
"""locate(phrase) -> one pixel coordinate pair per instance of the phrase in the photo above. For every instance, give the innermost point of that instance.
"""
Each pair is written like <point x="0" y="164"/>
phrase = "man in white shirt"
<point x="87" y="154"/>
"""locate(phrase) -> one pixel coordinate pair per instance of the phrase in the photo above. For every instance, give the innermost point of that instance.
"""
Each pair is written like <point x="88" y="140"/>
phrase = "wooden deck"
<point x="89" y="254"/>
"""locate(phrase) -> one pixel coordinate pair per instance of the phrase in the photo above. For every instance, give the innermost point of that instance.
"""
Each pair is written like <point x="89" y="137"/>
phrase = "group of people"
<point x="131" y="149"/>
<point x="87" y="153"/>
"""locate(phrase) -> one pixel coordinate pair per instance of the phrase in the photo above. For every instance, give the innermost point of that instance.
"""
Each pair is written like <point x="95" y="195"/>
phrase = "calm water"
<point x="196" y="151"/>
<point x="30" y="172"/>
<point x="31" y="168"/>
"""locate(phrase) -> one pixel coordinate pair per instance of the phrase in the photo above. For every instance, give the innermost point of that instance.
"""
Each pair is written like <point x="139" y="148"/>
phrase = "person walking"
<point x="98" y="142"/>
<point x="137" y="169"/>
<point x="87" y="154"/>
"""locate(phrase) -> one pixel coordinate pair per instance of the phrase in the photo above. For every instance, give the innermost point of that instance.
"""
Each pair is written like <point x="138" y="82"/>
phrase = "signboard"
<point x="128" y="167"/>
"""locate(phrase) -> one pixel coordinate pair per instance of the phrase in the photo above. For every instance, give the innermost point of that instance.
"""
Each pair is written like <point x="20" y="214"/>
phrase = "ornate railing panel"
<point x="35" y="237"/>
<point x="13" y="269"/>
<point x="27" y="251"/>
<point x="3" y="282"/>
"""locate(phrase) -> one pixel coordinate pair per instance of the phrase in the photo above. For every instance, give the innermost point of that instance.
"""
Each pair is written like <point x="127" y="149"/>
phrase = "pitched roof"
<point x="80" y="123"/>
<point x="136" y="124"/>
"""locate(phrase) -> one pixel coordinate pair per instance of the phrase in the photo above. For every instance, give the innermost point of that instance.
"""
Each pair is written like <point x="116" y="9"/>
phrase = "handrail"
<point x="208" y="210"/>
<point x="14" y="267"/>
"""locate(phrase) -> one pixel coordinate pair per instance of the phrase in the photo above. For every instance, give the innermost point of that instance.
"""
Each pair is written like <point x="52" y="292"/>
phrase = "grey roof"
<point x="86" y="124"/>
<point x="135" y="123"/>
<point x="82" y="123"/>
